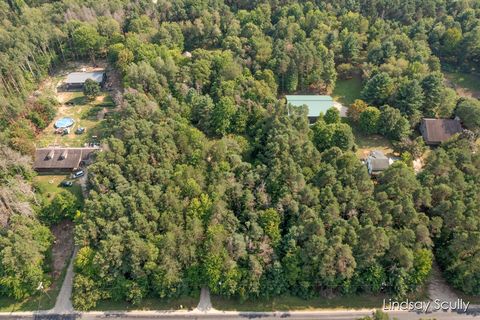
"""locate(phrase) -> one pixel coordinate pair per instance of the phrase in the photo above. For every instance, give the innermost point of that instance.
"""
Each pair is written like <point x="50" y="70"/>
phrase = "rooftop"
<point x="316" y="104"/>
<point x="60" y="158"/>
<point x="81" y="77"/>
<point x="439" y="130"/>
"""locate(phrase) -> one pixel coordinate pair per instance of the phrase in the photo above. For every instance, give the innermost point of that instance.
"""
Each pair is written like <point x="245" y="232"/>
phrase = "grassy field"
<point x="49" y="185"/>
<point x="294" y="303"/>
<point x="182" y="303"/>
<point x="86" y="114"/>
<point x="466" y="84"/>
<point x="366" y="143"/>
<point x="346" y="91"/>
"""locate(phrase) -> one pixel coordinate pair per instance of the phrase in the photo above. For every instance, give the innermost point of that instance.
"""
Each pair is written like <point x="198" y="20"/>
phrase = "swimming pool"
<point x="64" y="122"/>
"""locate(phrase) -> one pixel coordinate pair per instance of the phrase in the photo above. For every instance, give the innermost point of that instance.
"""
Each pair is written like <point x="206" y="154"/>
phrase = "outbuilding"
<point x="76" y="80"/>
<point x="316" y="104"/>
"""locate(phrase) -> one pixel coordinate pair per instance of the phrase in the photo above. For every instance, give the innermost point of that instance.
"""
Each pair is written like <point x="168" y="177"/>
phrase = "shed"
<point x="316" y="104"/>
<point x="76" y="80"/>
<point x="436" y="131"/>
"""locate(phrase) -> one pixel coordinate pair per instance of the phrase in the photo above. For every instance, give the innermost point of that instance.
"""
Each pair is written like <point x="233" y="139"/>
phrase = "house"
<point x="436" y="131"/>
<point x="377" y="162"/>
<point x="76" y="80"/>
<point x="61" y="160"/>
<point x="316" y="104"/>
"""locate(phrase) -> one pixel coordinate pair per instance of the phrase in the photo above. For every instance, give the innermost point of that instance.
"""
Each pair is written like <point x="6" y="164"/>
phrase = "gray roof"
<point x="81" y="77"/>
<point x="377" y="154"/>
<point x="379" y="164"/>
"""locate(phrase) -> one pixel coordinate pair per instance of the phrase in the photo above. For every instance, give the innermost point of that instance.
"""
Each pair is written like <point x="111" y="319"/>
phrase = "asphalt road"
<point x="216" y="315"/>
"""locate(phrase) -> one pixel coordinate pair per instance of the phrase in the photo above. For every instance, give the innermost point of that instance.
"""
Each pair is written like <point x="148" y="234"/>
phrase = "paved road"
<point x="216" y="315"/>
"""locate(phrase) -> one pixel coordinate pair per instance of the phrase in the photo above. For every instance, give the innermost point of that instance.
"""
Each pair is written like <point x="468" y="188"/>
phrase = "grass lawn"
<point x="184" y="303"/>
<point x="287" y="302"/>
<point x="43" y="301"/>
<point x="49" y="185"/>
<point x="366" y="143"/>
<point x="346" y="91"/>
<point x="466" y="84"/>
<point x="86" y="114"/>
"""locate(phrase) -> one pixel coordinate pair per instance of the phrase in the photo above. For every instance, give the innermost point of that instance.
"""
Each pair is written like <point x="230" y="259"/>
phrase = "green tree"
<point x="378" y="89"/>
<point x="91" y="89"/>
<point x="369" y="120"/>
<point x="392" y="124"/>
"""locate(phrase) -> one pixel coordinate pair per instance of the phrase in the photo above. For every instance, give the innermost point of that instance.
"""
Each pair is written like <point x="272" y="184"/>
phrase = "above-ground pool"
<point x="64" y="122"/>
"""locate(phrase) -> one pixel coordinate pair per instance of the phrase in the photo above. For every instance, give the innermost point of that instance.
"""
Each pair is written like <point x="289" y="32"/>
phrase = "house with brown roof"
<point x="61" y="160"/>
<point x="436" y="131"/>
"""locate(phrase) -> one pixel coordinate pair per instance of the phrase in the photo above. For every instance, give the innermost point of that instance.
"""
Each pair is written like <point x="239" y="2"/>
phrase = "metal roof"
<point x="81" y="77"/>
<point x="316" y="103"/>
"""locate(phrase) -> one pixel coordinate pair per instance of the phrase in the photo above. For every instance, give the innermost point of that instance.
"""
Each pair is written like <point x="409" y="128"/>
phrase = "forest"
<point x="208" y="178"/>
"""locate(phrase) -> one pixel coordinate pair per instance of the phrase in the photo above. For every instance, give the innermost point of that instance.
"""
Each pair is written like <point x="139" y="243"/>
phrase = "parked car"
<point x="78" y="174"/>
<point x="80" y="130"/>
<point x="66" y="183"/>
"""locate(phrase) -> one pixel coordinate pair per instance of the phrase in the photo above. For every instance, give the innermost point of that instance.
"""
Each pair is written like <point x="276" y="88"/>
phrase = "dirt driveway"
<point x="62" y="246"/>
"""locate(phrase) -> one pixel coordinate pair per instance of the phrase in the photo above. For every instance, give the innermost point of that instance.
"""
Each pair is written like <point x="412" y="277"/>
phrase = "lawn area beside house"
<point x="49" y="186"/>
<point x="366" y="143"/>
<point x="346" y="91"/>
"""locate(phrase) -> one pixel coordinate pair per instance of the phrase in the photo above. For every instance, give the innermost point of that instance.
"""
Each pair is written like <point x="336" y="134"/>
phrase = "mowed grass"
<point x="49" y="185"/>
<point x="182" y="303"/>
<point x="287" y="302"/>
<point x="346" y="91"/>
<point x="466" y="84"/>
<point x="366" y="143"/>
<point x="86" y="114"/>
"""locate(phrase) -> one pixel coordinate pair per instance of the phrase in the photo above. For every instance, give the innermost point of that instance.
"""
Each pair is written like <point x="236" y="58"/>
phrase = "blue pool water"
<point x="64" y="122"/>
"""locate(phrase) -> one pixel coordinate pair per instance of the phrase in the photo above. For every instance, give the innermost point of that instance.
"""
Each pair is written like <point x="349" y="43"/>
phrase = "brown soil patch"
<point x="62" y="247"/>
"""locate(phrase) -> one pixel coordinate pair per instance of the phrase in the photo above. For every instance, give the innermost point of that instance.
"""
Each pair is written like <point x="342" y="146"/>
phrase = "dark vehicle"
<point x="80" y="130"/>
<point x="66" y="183"/>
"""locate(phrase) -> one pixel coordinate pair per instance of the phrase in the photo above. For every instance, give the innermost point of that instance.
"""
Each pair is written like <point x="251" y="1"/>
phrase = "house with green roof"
<point x="316" y="104"/>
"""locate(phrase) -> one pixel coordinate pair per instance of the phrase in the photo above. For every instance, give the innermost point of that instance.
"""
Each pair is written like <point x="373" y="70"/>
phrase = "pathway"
<point x="343" y="110"/>
<point x="205" y="304"/>
<point x="63" y="305"/>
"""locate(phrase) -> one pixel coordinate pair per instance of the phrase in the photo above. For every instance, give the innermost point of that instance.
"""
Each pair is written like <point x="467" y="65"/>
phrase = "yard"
<point x="86" y="114"/>
<point x="346" y="91"/>
<point x="366" y="143"/>
<point x="465" y="84"/>
<point x="49" y="185"/>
